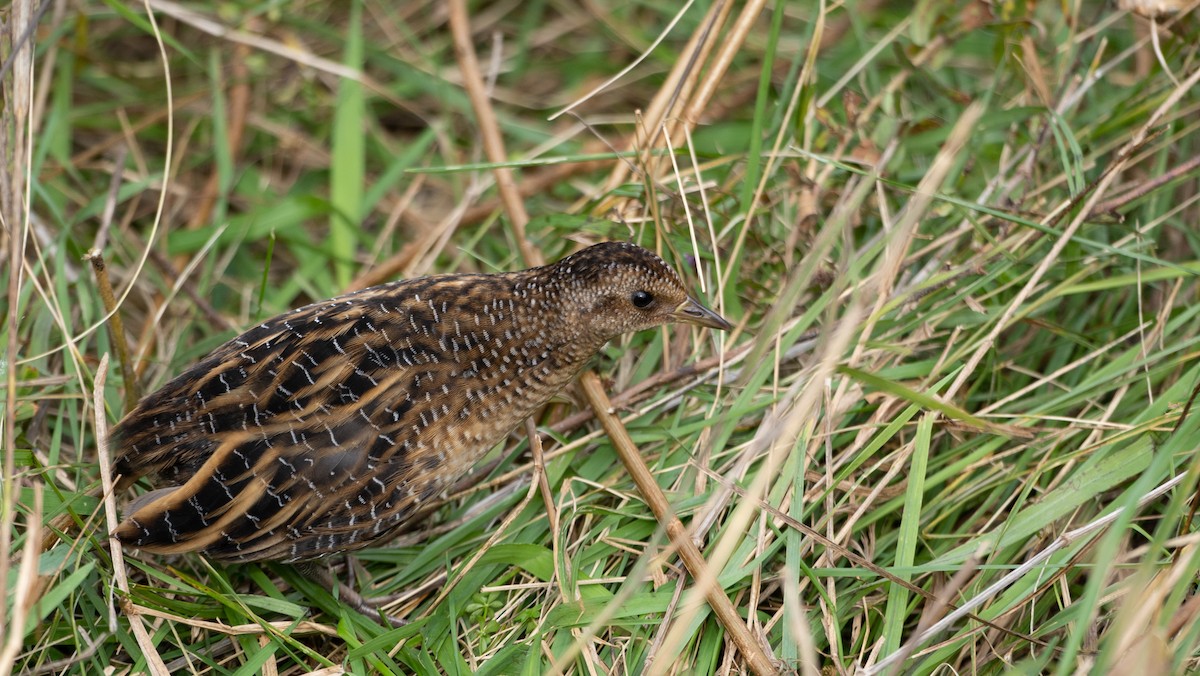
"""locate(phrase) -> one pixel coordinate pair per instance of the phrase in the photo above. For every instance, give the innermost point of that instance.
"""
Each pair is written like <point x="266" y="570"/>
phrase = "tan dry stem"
<point x="489" y="129"/>
<point x="116" y="328"/>
<point x="757" y="656"/>
<point x="154" y="661"/>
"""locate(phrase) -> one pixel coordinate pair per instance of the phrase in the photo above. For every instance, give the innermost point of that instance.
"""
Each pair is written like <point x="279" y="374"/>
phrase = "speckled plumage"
<point x="320" y="430"/>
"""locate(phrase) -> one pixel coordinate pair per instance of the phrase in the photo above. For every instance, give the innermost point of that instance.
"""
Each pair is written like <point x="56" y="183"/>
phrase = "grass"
<point x="958" y="240"/>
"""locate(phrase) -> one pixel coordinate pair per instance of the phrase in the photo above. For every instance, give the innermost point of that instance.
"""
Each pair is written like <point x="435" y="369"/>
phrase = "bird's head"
<point x="616" y="288"/>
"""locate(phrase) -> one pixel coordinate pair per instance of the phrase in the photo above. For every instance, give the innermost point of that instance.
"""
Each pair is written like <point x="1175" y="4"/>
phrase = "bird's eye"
<point x="641" y="299"/>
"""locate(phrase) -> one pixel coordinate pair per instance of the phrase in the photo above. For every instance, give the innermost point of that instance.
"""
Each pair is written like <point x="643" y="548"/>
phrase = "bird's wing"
<point x="302" y="428"/>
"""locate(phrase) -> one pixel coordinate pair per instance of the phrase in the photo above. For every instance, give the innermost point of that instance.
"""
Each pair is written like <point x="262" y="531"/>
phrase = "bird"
<point x="324" y="429"/>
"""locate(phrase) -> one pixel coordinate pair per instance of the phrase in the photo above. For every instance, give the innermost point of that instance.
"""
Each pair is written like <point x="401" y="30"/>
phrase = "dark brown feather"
<point x="320" y="430"/>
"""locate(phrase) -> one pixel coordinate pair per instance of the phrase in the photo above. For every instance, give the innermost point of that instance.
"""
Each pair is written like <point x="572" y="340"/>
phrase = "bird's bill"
<point x="692" y="312"/>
